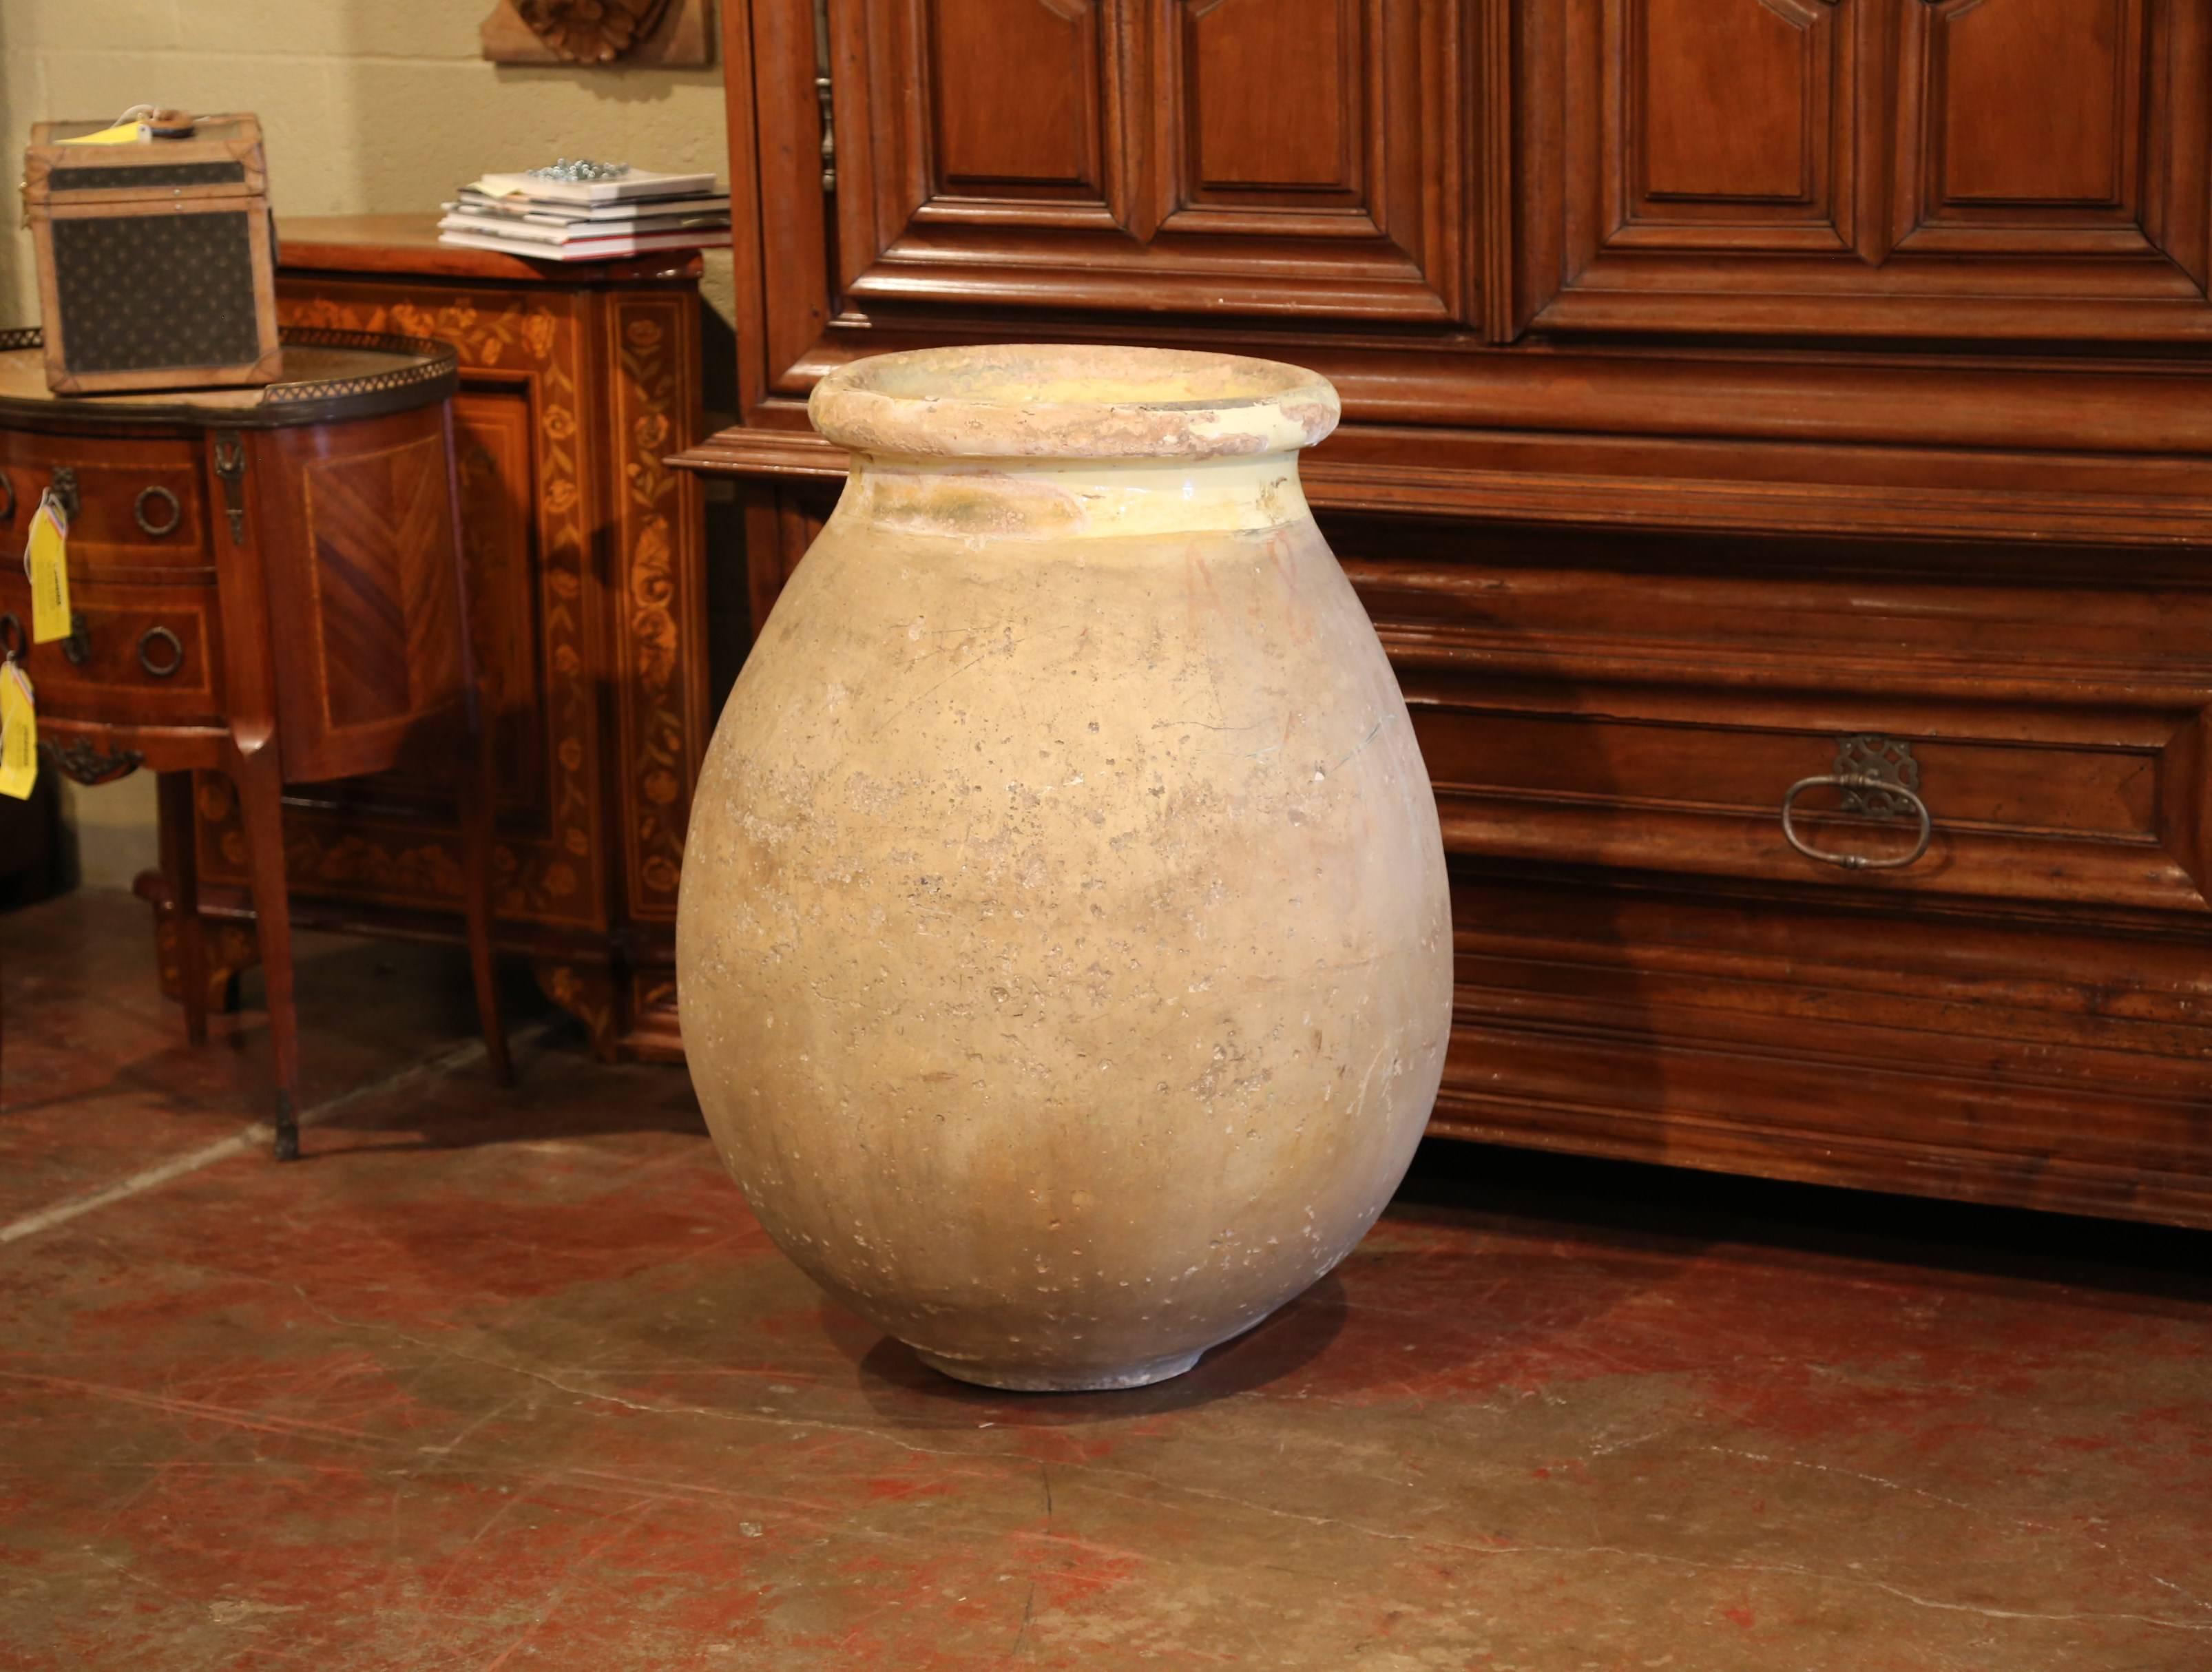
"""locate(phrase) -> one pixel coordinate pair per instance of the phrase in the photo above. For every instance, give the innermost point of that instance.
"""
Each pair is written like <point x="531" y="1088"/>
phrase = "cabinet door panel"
<point x="2022" y="133"/>
<point x="2032" y="102"/>
<point x="1272" y="96"/>
<point x="1036" y="133"/>
<point x="1766" y="67"/>
<point x="1202" y="156"/>
<point x="2021" y="169"/>
<point x="1776" y="173"/>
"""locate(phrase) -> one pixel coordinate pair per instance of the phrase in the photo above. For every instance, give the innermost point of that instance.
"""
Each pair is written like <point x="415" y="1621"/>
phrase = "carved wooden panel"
<point x="1909" y="167"/>
<point x="2054" y="127"/>
<point x="1730" y="121"/>
<point x="2032" y="102"/>
<point x="983" y="115"/>
<point x="1307" y="141"/>
<point x="616" y="34"/>
<point x="1038" y="133"/>
<point x="1202" y="156"/>
<point x="1769" y="72"/>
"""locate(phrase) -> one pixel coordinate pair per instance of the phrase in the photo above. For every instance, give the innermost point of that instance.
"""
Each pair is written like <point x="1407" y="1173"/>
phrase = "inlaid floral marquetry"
<point x="663" y="739"/>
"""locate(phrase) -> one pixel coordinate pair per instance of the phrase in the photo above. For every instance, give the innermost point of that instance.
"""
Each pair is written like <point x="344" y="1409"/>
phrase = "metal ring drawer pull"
<point x="152" y="636"/>
<point x="157" y="530"/>
<point x="78" y="647"/>
<point x="7" y="487"/>
<point x="1857" y="781"/>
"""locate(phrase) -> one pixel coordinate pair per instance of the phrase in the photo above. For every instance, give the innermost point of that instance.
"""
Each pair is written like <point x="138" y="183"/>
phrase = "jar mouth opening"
<point x="1070" y="400"/>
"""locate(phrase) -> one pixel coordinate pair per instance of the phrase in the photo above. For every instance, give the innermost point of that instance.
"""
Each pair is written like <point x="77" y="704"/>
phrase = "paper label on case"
<point x="45" y="560"/>
<point x="123" y="133"/>
<point x="19" y="733"/>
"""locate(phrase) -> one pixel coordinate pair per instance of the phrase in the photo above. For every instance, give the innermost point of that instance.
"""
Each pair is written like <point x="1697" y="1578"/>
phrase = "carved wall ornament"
<point x="599" y="34"/>
<point x="591" y="31"/>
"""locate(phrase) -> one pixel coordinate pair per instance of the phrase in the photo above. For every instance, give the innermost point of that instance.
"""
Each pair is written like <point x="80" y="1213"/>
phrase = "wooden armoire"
<point x="1737" y="394"/>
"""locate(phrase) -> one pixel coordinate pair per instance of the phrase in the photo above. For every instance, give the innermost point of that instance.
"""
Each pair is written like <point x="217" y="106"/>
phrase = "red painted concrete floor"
<point x="512" y="1380"/>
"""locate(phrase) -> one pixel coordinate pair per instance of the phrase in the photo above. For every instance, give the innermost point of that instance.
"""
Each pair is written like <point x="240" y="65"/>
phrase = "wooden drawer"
<point x="1905" y="1044"/>
<point x="1647" y="712"/>
<point x="151" y="654"/>
<point x="2079" y="811"/>
<point x="140" y="504"/>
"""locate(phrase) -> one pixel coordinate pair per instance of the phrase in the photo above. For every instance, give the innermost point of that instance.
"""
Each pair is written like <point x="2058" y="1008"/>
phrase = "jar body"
<point x="1065" y="946"/>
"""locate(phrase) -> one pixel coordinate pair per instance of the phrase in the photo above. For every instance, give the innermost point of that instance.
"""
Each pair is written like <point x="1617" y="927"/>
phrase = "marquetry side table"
<point x="587" y="562"/>
<point x="265" y="582"/>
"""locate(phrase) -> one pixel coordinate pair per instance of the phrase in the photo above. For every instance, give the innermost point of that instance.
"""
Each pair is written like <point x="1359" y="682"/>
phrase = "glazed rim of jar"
<point x="1070" y="401"/>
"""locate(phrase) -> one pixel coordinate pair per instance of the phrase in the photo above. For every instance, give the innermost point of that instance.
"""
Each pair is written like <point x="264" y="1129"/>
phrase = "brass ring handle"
<point x="63" y="487"/>
<point x="7" y="487"/>
<point x="138" y="510"/>
<point x="1856" y="861"/>
<point x="153" y="636"/>
<point x="78" y="647"/>
<point x="12" y="639"/>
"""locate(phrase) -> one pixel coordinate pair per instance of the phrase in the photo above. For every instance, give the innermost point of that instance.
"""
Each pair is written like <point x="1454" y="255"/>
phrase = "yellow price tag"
<point x="45" y="560"/>
<point x="19" y="733"/>
<point x="123" y="133"/>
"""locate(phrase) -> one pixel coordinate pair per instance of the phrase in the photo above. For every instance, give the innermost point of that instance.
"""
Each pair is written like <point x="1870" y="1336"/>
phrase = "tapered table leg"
<point x="181" y="866"/>
<point x="474" y="783"/>
<point x="473" y="779"/>
<point x="260" y="804"/>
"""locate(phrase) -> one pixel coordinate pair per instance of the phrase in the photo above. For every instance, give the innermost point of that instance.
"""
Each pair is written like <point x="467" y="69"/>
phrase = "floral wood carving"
<point x="594" y="33"/>
<point x="591" y="31"/>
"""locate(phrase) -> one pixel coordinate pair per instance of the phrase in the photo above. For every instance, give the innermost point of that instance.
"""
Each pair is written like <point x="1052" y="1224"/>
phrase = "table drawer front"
<point x="140" y="504"/>
<point x="147" y="654"/>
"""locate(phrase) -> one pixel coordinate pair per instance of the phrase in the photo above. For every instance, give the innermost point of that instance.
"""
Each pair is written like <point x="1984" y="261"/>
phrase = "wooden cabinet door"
<point x="2013" y="168"/>
<point x="1207" y="157"/>
<point x="1215" y="158"/>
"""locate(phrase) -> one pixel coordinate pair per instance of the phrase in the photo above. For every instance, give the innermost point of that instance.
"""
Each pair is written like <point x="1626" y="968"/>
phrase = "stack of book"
<point x="554" y="219"/>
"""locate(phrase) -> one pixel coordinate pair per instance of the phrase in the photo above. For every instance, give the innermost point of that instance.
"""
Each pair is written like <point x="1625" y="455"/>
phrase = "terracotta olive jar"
<point x="1064" y="948"/>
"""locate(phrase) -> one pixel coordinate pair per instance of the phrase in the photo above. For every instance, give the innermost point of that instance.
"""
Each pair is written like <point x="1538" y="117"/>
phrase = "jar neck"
<point x="1066" y="498"/>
